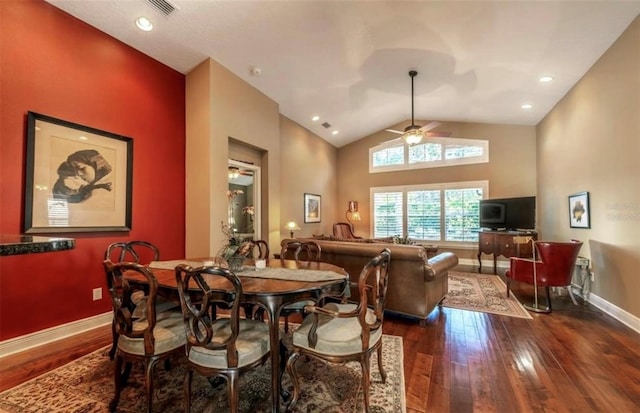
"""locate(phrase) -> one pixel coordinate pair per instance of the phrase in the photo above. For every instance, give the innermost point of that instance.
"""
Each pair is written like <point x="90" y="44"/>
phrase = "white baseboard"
<point x="616" y="312"/>
<point x="606" y="307"/>
<point x="22" y="343"/>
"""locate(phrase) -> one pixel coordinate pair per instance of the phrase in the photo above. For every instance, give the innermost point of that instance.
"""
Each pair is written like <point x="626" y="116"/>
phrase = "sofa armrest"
<point x="440" y="264"/>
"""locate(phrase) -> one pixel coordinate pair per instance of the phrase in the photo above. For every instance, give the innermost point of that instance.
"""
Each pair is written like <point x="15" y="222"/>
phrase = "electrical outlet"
<point x="592" y="275"/>
<point x="97" y="294"/>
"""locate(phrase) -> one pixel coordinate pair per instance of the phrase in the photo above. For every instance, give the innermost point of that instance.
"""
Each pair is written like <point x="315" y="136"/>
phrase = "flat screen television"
<point x="508" y="213"/>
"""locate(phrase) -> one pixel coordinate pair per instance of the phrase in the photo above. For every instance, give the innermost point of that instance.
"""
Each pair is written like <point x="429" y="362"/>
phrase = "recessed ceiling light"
<point x="144" y="24"/>
<point x="315" y="118"/>
<point x="335" y="132"/>
<point x="526" y="106"/>
<point x="545" y="79"/>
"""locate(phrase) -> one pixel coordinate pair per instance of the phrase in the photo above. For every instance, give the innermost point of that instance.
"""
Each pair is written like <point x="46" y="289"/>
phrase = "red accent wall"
<point x="54" y="64"/>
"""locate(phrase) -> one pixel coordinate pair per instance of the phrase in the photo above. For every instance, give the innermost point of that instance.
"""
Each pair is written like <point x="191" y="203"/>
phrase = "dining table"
<point x="280" y="283"/>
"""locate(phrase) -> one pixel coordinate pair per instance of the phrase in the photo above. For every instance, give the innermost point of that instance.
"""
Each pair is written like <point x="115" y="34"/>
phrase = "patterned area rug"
<point x="484" y="293"/>
<point x="86" y="386"/>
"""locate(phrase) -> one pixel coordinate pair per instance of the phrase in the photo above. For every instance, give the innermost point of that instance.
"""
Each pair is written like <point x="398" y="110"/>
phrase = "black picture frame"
<point x="579" y="210"/>
<point x="78" y="178"/>
<point x="312" y="208"/>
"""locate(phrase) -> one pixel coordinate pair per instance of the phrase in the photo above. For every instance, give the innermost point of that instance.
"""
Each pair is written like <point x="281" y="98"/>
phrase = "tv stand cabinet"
<point x="503" y="243"/>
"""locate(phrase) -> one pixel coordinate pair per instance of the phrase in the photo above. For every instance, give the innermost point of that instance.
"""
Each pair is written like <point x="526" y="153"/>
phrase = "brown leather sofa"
<point x="416" y="284"/>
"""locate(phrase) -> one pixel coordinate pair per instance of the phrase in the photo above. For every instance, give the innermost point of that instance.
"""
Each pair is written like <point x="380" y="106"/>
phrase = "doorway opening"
<point x="244" y="214"/>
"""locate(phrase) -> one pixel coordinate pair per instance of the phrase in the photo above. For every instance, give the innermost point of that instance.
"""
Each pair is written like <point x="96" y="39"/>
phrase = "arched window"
<point x="430" y="153"/>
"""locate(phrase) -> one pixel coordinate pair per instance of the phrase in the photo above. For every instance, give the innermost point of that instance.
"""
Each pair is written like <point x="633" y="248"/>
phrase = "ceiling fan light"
<point x="412" y="137"/>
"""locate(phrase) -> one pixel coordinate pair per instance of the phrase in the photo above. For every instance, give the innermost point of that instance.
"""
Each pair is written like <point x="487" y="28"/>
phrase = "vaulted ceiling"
<point x="348" y="61"/>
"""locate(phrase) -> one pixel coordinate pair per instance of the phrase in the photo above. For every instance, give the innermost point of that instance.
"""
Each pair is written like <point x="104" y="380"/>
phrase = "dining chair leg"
<point x="366" y="379"/>
<point x="383" y="373"/>
<point x="118" y="382"/>
<point x="188" y="377"/>
<point x="148" y="382"/>
<point x="233" y="394"/>
<point x="508" y="286"/>
<point x="291" y="369"/>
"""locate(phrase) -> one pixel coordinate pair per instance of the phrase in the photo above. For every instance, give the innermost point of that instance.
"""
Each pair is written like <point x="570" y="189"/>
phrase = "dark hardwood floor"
<point x="575" y="359"/>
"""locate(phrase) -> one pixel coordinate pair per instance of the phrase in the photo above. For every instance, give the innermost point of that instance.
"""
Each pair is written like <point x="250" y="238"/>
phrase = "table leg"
<point x="273" y="311"/>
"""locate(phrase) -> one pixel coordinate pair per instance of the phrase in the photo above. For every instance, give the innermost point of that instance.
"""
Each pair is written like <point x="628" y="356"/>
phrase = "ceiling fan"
<point x="235" y="172"/>
<point x="413" y="133"/>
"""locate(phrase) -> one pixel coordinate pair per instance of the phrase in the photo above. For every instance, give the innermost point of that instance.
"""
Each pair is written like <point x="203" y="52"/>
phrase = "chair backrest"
<point x="124" y="306"/>
<point x="558" y="260"/>
<point x="114" y="251"/>
<point x="198" y="301"/>
<point x="301" y="251"/>
<point x="141" y="252"/>
<point x="343" y="230"/>
<point x="263" y="249"/>
<point x="372" y="286"/>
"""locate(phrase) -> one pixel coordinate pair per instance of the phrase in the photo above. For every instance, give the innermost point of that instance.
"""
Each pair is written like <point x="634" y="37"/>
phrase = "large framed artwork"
<point x="579" y="210"/>
<point x="78" y="178"/>
<point x="312" y="208"/>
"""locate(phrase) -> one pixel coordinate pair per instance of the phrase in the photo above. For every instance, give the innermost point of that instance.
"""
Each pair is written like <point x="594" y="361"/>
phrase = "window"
<point x="438" y="212"/>
<point x="432" y="152"/>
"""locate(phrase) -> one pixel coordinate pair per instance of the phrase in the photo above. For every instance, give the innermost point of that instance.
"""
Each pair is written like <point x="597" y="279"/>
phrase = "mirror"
<point x="244" y="209"/>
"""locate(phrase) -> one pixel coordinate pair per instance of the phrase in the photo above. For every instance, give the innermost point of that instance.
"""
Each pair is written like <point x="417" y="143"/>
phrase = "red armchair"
<point x="554" y="268"/>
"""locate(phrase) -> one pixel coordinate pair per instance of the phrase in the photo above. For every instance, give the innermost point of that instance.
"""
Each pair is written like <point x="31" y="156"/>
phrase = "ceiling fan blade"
<point x="430" y="126"/>
<point x="438" y="134"/>
<point x="389" y="142"/>
<point x="394" y="131"/>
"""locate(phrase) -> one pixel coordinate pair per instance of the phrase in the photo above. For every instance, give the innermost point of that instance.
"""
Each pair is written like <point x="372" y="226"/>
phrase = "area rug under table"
<point x="86" y="386"/>
<point x="482" y="292"/>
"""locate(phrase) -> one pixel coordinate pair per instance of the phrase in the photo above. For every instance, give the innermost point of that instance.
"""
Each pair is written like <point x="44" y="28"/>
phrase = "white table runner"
<point x="302" y="274"/>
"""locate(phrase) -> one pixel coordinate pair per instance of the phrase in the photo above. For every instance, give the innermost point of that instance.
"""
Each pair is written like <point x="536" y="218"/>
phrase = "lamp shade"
<point x="292" y="226"/>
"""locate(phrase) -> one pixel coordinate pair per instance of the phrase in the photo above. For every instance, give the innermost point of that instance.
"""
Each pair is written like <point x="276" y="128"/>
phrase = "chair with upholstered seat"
<point x="226" y="346"/>
<point x="146" y="336"/>
<point x="344" y="230"/>
<point x="343" y="332"/>
<point x="554" y="268"/>
<point x="307" y="251"/>
<point x="140" y="252"/>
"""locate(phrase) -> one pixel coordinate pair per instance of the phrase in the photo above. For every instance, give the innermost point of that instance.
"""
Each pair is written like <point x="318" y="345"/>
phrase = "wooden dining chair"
<point x="143" y="336"/>
<point x="262" y="248"/>
<point x="140" y="252"/>
<point x="343" y="332"/>
<point x="307" y="251"/>
<point x="225" y="347"/>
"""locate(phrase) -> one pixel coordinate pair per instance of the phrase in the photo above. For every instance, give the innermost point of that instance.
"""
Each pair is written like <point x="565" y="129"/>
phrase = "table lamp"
<point x="292" y="226"/>
<point x="352" y="213"/>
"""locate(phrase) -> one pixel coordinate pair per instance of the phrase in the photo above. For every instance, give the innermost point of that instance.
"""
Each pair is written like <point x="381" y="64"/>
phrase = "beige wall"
<point x="309" y="165"/>
<point x="591" y="142"/>
<point x="221" y="106"/>
<point x="511" y="170"/>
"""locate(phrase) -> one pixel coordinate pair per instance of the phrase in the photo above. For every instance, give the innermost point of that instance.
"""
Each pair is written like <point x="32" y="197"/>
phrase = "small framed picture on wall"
<point x="579" y="210"/>
<point x="312" y="208"/>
